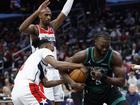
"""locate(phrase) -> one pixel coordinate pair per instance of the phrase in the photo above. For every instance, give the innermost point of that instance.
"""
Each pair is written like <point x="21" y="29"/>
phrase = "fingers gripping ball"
<point x="78" y="76"/>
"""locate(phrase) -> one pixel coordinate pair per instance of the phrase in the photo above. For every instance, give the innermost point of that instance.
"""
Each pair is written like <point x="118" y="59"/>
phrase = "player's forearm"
<point x="73" y="84"/>
<point x="28" y="21"/>
<point x="65" y="11"/>
<point x="62" y="66"/>
<point x="67" y="7"/>
<point x="52" y="83"/>
<point x="114" y="81"/>
<point x="67" y="79"/>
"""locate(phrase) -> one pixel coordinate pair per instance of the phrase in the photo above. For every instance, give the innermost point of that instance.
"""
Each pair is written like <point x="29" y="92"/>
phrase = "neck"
<point x="43" y="25"/>
<point x="97" y="54"/>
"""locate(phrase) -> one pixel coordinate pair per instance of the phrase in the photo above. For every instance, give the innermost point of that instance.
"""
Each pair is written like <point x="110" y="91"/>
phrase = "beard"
<point x="100" y="51"/>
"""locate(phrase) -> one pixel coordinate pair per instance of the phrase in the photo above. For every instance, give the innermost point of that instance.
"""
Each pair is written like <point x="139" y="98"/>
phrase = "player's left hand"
<point x="97" y="75"/>
<point x="43" y="5"/>
<point x="78" y="86"/>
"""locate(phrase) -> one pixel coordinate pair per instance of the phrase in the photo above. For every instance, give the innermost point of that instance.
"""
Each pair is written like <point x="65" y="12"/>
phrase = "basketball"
<point x="78" y="76"/>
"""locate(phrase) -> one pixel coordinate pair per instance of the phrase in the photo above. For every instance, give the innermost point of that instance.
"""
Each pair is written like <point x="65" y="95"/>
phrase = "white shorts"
<point x="54" y="93"/>
<point x="28" y="94"/>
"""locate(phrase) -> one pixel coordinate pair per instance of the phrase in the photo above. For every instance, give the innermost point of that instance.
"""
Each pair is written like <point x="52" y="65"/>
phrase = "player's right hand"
<point x="134" y="67"/>
<point x="43" y="5"/>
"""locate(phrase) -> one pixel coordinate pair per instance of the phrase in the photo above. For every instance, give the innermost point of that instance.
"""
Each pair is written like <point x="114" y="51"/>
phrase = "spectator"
<point x="132" y="96"/>
<point x="132" y="78"/>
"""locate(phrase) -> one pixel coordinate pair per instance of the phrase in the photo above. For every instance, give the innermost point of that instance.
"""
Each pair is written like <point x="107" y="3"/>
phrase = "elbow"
<point x="20" y="29"/>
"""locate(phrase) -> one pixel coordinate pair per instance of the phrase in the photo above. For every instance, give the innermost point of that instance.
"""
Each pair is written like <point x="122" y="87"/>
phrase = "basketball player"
<point x="46" y="29"/>
<point x="104" y="72"/>
<point x="26" y="89"/>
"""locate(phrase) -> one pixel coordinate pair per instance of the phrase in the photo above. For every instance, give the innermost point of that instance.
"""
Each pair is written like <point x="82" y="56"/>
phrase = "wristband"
<point x="67" y="7"/>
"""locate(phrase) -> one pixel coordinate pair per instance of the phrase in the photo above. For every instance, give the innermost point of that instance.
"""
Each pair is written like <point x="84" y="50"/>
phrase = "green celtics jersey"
<point x="96" y="86"/>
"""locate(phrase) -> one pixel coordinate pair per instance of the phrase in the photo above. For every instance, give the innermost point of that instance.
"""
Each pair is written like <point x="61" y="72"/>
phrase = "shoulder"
<point x="81" y="53"/>
<point x="116" y="57"/>
<point x="116" y="54"/>
<point x="45" y="50"/>
<point x="78" y="57"/>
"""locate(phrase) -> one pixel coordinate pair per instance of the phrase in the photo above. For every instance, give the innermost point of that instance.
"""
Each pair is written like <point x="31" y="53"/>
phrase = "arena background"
<point x="121" y="18"/>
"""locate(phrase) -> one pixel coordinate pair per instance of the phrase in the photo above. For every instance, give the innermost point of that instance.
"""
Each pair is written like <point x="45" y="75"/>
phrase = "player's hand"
<point x="134" y="67"/>
<point x="97" y="75"/>
<point x="78" y="86"/>
<point x="83" y="69"/>
<point x="43" y="5"/>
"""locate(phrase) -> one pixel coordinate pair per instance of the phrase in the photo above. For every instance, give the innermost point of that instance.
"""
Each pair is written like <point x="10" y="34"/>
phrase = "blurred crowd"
<point x="123" y="26"/>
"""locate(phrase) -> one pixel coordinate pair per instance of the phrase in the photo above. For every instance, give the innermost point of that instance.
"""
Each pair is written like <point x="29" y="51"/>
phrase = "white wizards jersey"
<point x="48" y="34"/>
<point x="34" y="67"/>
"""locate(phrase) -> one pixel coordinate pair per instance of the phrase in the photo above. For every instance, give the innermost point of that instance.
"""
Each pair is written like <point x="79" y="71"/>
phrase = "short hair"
<point x="37" y="42"/>
<point x="103" y="34"/>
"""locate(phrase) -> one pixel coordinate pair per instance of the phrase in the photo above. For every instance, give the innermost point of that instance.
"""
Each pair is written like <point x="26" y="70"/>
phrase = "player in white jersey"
<point x="46" y="29"/>
<point x="27" y="90"/>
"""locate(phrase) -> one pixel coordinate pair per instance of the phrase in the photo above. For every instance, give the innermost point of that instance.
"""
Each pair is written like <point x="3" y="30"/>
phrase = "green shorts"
<point x="110" y="96"/>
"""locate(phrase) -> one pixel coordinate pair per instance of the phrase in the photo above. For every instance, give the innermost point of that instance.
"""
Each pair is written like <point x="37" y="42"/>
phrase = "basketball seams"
<point x="78" y="75"/>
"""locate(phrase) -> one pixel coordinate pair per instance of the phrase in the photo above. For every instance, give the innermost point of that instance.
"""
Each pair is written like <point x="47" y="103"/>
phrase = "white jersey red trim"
<point x="27" y="88"/>
<point x="36" y="92"/>
<point x="34" y="68"/>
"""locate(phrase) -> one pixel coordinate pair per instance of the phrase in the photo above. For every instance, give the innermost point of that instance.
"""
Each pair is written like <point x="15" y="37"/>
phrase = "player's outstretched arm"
<point x="27" y="25"/>
<point x="65" y="11"/>
<point x="62" y="66"/>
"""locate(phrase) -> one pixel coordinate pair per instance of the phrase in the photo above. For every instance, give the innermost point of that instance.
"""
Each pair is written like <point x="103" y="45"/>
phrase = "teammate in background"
<point x="26" y="89"/>
<point x="104" y="72"/>
<point x="46" y="29"/>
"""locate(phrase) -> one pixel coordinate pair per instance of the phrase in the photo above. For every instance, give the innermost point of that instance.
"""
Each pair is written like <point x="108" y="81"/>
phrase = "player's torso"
<point x="42" y="33"/>
<point x="46" y="33"/>
<point x="103" y="65"/>
<point x="33" y="69"/>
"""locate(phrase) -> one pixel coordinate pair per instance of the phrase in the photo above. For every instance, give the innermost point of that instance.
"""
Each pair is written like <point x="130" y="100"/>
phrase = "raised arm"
<point x="27" y="25"/>
<point x="65" y="11"/>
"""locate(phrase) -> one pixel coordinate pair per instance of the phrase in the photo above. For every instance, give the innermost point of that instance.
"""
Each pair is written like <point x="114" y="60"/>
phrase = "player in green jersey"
<point x="104" y="74"/>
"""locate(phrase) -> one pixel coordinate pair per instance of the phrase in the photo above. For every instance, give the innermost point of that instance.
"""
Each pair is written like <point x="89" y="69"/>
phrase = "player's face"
<point x="45" y="16"/>
<point x="102" y="45"/>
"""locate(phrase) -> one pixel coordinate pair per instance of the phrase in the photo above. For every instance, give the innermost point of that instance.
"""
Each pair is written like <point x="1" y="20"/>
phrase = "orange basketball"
<point x="78" y="76"/>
